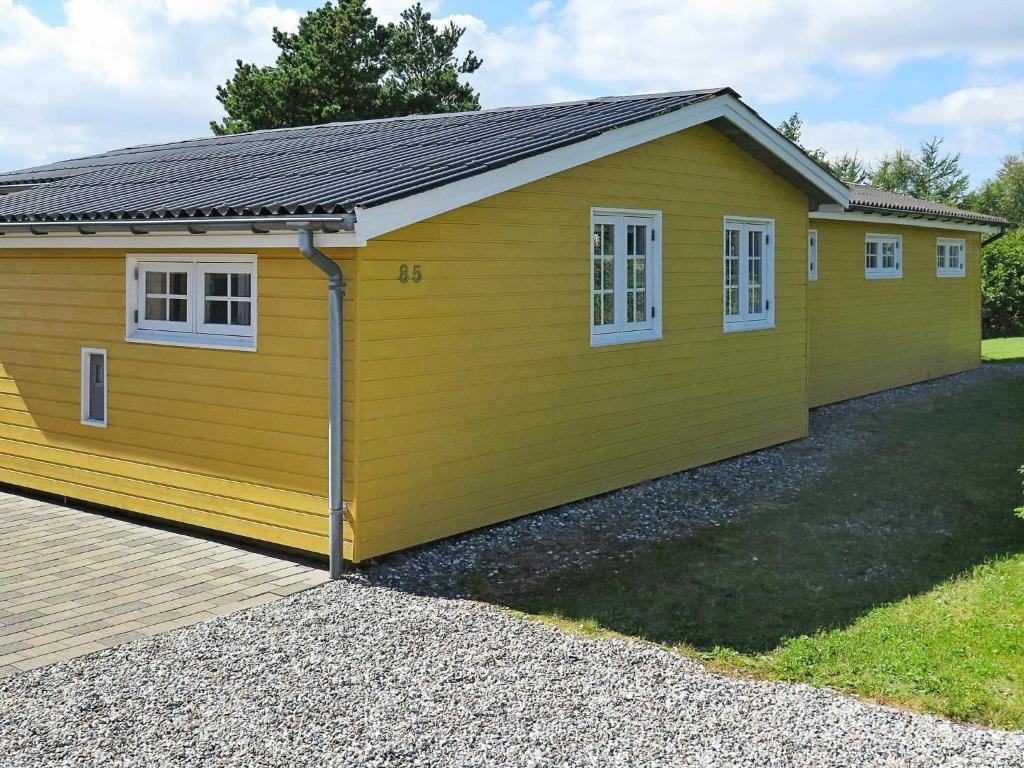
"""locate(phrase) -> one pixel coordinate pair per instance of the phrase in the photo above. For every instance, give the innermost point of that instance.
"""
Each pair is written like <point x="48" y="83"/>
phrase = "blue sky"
<point x="88" y="75"/>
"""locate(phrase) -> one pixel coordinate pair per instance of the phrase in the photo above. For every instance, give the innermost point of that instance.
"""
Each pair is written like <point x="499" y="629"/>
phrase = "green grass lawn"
<point x="899" y="576"/>
<point x="997" y="350"/>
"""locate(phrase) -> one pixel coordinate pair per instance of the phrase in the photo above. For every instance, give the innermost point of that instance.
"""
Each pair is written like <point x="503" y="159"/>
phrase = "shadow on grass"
<point x="930" y="494"/>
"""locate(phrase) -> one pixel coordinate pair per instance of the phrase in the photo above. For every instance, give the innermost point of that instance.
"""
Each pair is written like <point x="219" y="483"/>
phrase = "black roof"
<point x="317" y="170"/>
<point x="872" y="199"/>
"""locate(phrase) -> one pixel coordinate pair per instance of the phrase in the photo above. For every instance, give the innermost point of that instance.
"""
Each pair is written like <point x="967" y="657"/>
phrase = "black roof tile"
<point x="325" y="169"/>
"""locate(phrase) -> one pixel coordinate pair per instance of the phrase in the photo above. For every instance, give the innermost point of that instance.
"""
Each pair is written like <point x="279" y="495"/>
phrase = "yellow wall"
<point x="228" y="440"/>
<point x="480" y="397"/>
<point x="868" y="335"/>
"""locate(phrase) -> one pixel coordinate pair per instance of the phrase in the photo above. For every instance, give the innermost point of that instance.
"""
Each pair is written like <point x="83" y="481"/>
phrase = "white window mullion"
<point x="620" y="275"/>
<point x="744" y="267"/>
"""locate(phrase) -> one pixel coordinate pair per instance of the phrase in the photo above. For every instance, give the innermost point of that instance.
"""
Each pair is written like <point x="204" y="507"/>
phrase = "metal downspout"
<point x="335" y="342"/>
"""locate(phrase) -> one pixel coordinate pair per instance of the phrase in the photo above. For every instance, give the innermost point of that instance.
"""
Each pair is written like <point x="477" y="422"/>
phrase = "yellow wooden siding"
<point x="480" y="397"/>
<point x="868" y="335"/>
<point x="227" y="440"/>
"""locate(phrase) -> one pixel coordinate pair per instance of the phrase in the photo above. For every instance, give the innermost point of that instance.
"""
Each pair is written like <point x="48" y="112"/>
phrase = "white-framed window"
<point x="192" y="300"/>
<point x="625" y="276"/>
<point x="812" y="254"/>
<point x="748" y="273"/>
<point x="950" y="257"/>
<point x="94" y="387"/>
<point x="883" y="256"/>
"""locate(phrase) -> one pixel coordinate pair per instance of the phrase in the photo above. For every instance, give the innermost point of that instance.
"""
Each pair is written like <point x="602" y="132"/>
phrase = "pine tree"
<point x="342" y="64"/>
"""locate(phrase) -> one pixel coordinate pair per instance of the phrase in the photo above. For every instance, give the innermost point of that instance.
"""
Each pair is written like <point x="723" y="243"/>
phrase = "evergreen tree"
<point x="1003" y="195"/>
<point x="423" y="70"/>
<point x="342" y="64"/>
<point x="930" y="175"/>
<point x="850" y="168"/>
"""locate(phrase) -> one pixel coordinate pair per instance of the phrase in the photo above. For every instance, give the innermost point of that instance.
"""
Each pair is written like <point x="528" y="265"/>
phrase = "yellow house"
<point x="355" y="338"/>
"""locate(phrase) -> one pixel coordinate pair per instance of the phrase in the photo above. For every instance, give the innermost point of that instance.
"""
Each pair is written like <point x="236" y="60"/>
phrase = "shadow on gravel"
<point x="930" y="494"/>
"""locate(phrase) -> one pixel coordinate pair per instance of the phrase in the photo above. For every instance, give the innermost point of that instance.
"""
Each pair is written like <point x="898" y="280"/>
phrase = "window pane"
<point x="178" y="311"/>
<point x="732" y="271"/>
<point x="604" y="239"/>
<point x="96" y="411"/>
<point x="641" y="240"/>
<point x="609" y="274"/>
<point x="609" y="309"/>
<point x="241" y="285"/>
<point x="217" y="284"/>
<point x="596" y="263"/>
<point x="240" y="313"/>
<point x="598" y="312"/>
<point x="755" y="296"/>
<point x="217" y="312"/>
<point x="888" y="255"/>
<point x="156" y="282"/>
<point x="156" y="309"/>
<point x="179" y="283"/>
<point x="942" y="257"/>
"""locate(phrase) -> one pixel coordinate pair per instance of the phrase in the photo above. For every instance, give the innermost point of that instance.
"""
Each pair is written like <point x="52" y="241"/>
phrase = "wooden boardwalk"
<point x="74" y="582"/>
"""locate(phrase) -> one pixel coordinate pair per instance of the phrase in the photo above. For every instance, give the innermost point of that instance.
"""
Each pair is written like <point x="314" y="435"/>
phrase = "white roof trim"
<point x="905" y="220"/>
<point x="177" y="240"/>
<point x="381" y="219"/>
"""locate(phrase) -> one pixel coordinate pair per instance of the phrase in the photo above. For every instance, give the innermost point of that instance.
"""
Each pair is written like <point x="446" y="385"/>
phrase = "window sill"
<point x="946" y="273"/>
<point x="624" y="337"/>
<point x="200" y="341"/>
<point x="94" y="423"/>
<point x="883" y="275"/>
<point x="758" y="325"/>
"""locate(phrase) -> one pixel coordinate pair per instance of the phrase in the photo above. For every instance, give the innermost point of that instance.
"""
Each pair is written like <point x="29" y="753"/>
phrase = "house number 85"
<point x="405" y="274"/>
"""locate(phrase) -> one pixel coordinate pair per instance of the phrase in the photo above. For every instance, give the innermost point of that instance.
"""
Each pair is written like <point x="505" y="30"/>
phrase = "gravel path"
<point x="350" y="675"/>
<point x="505" y="558"/>
<point x="359" y="674"/>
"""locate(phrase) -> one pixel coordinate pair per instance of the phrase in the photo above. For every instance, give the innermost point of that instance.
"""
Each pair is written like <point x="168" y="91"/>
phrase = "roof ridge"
<point x="434" y="116"/>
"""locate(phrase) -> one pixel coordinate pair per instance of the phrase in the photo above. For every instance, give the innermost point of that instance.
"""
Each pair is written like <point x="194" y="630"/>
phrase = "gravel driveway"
<point x="367" y="672"/>
<point x="352" y="675"/>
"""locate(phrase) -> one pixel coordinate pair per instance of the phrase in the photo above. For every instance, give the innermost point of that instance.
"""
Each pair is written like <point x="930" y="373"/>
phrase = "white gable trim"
<point x="904" y="220"/>
<point x="381" y="219"/>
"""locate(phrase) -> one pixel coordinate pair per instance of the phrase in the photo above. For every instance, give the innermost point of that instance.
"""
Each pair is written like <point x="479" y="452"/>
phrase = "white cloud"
<point x="121" y="72"/>
<point x="539" y="10"/>
<point x="869" y="142"/>
<point x="1000" y="105"/>
<point x="127" y="71"/>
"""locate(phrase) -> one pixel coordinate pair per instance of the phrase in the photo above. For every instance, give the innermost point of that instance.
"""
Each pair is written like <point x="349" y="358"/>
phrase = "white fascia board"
<point x="907" y="220"/>
<point x="179" y="241"/>
<point x="381" y="219"/>
<point x="747" y="120"/>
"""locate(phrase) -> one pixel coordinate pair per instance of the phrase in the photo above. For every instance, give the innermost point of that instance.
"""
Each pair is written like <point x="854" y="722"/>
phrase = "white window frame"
<point x="951" y="242"/>
<point x="87" y="353"/>
<point x="145" y="267"/>
<point x="879" y="272"/>
<point x="194" y="333"/>
<point x="622" y="332"/>
<point x="744" y="321"/>
<point x="812" y="254"/>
